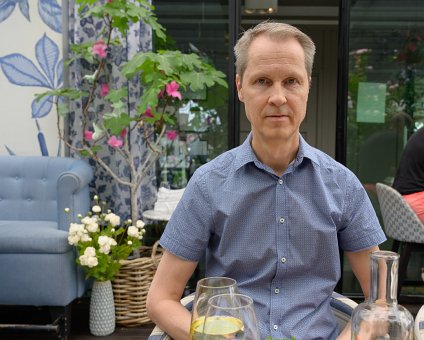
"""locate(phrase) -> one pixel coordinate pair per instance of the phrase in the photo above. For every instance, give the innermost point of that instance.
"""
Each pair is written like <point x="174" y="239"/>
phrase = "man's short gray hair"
<point x="275" y="31"/>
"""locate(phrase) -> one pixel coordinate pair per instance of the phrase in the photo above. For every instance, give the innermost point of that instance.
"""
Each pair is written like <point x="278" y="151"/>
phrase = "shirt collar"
<point x="246" y="155"/>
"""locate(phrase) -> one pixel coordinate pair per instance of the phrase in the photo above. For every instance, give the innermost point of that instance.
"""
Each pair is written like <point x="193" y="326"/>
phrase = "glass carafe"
<point x="381" y="317"/>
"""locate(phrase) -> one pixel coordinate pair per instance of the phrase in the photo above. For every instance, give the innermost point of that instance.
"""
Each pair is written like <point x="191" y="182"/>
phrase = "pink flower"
<point x="123" y="133"/>
<point x="104" y="90"/>
<point x="88" y="135"/>
<point x="148" y="113"/>
<point x="172" y="90"/>
<point x="99" y="48"/>
<point x="115" y="142"/>
<point x="171" y="134"/>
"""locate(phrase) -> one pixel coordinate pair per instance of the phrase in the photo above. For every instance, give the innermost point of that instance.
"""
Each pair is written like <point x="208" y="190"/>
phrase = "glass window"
<point x="385" y="93"/>
<point x="201" y="27"/>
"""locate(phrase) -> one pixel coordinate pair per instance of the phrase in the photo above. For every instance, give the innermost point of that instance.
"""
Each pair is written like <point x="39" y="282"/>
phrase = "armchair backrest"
<point x="40" y="188"/>
<point x="400" y="221"/>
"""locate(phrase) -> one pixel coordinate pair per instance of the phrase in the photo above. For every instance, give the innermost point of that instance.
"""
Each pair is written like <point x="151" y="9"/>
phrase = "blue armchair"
<point x="37" y="264"/>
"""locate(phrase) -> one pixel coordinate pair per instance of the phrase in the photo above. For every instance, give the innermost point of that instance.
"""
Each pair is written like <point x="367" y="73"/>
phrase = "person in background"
<point x="409" y="178"/>
<point x="272" y="212"/>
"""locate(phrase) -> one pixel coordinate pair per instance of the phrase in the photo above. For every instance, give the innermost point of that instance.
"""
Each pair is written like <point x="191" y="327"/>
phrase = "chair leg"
<point x="403" y="265"/>
<point x="62" y="317"/>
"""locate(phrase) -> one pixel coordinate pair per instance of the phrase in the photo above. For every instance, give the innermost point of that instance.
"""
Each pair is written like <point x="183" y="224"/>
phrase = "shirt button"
<point x="275" y="327"/>
<point x="280" y="181"/>
<point x="277" y="291"/>
<point x="282" y="220"/>
<point x="283" y="260"/>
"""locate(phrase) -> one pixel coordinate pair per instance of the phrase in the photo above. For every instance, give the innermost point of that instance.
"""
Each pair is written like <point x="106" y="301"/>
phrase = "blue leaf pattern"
<point x="51" y="14"/>
<point x="24" y="7"/>
<point x="6" y="8"/>
<point x="47" y="54"/>
<point x="41" y="108"/>
<point x="10" y="151"/>
<point x="19" y="70"/>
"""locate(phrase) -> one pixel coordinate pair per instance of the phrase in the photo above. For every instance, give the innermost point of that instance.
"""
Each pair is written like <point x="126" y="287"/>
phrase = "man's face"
<point x="274" y="89"/>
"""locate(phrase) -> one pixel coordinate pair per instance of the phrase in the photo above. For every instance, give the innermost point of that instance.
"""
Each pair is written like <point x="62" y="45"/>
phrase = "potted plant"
<point x="168" y="78"/>
<point x="102" y="242"/>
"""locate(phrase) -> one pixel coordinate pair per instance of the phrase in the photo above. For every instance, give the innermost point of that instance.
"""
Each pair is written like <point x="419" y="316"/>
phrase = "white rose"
<point x="105" y="243"/>
<point x="129" y="243"/>
<point x="92" y="227"/>
<point x="74" y="228"/>
<point x="96" y="209"/>
<point x="104" y="248"/>
<point x="85" y="238"/>
<point x="113" y="219"/>
<point x="133" y="231"/>
<point x="106" y="240"/>
<point x="73" y="239"/>
<point x="89" y="261"/>
<point x="88" y="220"/>
<point x="83" y="260"/>
<point x="90" y="251"/>
<point x="77" y="233"/>
<point x="92" y="261"/>
<point x="140" y="224"/>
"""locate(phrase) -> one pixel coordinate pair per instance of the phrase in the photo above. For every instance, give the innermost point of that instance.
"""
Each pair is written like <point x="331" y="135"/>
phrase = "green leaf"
<point x="62" y="109"/>
<point x="116" y="124"/>
<point x="84" y="153"/>
<point x="117" y="95"/>
<point x="96" y="148"/>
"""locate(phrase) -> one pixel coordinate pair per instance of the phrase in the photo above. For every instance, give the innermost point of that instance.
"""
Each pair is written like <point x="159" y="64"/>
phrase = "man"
<point x="272" y="212"/>
<point x="409" y="179"/>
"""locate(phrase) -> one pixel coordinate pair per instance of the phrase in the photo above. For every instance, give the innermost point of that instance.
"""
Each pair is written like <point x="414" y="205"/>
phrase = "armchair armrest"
<point x="72" y="192"/>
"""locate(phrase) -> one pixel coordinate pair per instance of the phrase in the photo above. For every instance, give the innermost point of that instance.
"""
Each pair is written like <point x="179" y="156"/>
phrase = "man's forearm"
<point x="172" y="318"/>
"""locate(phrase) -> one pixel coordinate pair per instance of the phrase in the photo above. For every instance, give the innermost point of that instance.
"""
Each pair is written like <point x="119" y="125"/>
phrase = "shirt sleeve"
<point x="187" y="233"/>
<point x="360" y="226"/>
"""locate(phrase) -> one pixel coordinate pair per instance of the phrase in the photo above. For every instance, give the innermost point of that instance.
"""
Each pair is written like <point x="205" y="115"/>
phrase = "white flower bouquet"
<point x="102" y="242"/>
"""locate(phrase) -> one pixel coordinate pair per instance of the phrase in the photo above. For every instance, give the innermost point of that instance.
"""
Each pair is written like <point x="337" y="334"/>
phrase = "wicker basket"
<point x="131" y="285"/>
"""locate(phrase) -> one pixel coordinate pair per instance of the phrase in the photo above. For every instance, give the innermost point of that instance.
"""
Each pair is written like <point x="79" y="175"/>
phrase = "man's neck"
<point x="276" y="154"/>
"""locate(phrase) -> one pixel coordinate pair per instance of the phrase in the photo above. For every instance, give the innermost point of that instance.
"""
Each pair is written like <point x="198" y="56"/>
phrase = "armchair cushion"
<point x="33" y="237"/>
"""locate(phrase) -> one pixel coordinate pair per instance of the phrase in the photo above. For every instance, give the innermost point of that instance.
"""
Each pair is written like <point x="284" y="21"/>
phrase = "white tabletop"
<point x="156" y="215"/>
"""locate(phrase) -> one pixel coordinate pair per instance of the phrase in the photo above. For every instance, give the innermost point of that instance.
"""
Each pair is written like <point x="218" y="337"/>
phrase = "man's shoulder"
<point x="327" y="165"/>
<point x="324" y="160"/>
<point x="221" y="164"/>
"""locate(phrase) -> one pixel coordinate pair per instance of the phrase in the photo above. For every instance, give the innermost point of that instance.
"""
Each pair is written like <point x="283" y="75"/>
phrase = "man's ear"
<point x="239" y="89"/>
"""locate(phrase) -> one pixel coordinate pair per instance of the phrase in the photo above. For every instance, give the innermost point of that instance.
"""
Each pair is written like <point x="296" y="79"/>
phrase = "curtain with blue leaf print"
<point x="139" y="39"/>
<point x="46" y="71"/>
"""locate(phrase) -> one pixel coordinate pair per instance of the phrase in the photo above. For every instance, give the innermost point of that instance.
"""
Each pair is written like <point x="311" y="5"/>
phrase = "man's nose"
<point x="277" y="95"/>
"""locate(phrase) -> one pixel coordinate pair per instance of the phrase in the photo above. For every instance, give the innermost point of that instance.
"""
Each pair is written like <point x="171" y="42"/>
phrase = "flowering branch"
<point x="164" y="75"/>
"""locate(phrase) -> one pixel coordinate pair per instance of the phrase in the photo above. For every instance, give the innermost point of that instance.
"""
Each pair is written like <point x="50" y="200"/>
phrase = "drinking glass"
<point x="205" y="289"/>
<point x="230" y="316"/>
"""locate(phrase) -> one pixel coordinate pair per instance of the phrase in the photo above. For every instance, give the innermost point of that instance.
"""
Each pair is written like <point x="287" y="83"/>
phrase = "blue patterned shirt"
<point x="279" y="237"/>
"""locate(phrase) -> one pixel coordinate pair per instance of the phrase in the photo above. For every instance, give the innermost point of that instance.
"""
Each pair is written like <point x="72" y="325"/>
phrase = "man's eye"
<point x="291" y="81"/>
<point x="262" y="81"/>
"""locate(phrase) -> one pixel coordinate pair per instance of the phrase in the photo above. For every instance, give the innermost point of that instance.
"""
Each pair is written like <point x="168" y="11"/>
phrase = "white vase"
<point x="102" y="309"/>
